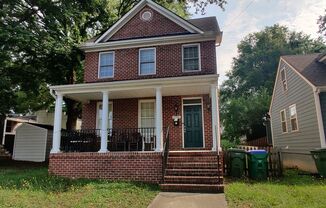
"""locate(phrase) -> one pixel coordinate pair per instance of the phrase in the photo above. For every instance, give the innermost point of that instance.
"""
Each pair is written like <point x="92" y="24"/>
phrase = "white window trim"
<point x="97" y="114"/>
<point x="139" y="110"/>
<point x="99" y="64"/>
<point x="285" y="120"/>
<point x="199" y="58"/>
<point x="285" y="79"/>
<point x="142" y="49"/>
<point x="203" y="121"/>
<point x="296" y="117"/>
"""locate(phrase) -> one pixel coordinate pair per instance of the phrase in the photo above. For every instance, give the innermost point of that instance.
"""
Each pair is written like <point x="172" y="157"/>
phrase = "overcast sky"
<point x="242" y="17"/>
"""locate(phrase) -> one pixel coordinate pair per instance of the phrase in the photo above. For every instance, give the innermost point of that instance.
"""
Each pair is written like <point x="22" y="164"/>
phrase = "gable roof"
<point x="309" y="67"/>
<point x="165" y="12"/>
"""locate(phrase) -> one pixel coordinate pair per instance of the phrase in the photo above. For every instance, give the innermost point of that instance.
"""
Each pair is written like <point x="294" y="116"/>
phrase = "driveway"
<point x="188" y="200"/>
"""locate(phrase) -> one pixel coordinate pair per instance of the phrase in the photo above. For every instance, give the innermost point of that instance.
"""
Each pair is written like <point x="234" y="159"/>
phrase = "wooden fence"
<point x="275" y="168"/>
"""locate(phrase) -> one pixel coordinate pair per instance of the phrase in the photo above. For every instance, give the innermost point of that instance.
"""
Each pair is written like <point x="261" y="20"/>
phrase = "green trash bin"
<point x="257" y="164"/>
<point x="237" y="162"/>
<point x="319" y="156"/>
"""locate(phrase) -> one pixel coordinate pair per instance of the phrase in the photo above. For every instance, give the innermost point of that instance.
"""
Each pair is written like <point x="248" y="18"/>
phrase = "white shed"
<point x="32" y="142"/>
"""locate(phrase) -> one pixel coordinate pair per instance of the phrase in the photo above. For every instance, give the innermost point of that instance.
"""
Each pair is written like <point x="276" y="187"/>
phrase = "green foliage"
<point x="246" y="95"/>
<point x="227" y="144"/>
<point x="322" y="24"/>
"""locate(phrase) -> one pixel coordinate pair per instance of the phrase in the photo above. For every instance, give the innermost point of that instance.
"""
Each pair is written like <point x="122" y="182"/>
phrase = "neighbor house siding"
<point x="300" y="93"/>
<point x="322" y="97"/>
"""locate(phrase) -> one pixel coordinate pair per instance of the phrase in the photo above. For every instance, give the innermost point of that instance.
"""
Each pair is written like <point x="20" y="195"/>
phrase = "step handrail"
<point x="166" y="150"/>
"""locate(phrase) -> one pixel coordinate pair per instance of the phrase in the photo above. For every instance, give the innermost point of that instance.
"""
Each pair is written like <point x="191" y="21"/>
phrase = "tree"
<point x="245" y="95"/>
<point x="322" y="24"/>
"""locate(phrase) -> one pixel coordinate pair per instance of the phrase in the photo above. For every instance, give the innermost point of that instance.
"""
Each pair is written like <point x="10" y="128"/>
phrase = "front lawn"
<point x="33" y="187"/>
<point x="294" y="190"/>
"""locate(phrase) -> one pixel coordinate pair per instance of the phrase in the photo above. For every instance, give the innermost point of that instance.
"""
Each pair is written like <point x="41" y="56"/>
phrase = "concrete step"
<point x="202" y="188"/>
<point x="193" y="172"/>
<point x="191" y="153"/>
<point x="193" y="179"/>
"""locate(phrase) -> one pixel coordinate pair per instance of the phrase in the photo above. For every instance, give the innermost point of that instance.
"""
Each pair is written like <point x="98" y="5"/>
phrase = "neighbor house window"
<point x="283" y="79"/>
<point x="99" y="115"/>
<point x="147" y="63"/>
<point x="191" y="57"/>
<point x="293" y="118"/>
<point x="283" y="121"/>
<point x="106" y="65"/>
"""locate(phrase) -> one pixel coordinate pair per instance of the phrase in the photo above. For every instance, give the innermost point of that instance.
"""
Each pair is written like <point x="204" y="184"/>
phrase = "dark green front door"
<point x="193" y="128"/>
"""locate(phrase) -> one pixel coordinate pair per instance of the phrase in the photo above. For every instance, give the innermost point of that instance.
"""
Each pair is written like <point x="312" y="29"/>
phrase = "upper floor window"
<point x="283" y="79"/>
<point x="283" y="121"/>
<point x="147" y="61"/>
<point x="293" y="118"/>
<point x="106" y="65"/>
<point x="191" y="57"/>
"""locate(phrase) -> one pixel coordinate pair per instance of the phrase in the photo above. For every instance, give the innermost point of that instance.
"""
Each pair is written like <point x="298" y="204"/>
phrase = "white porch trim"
<point x="214" y="117"/>
<point x="105" y="120"/>
<point x="159" y="120"/>
<point x="57" y="124"/>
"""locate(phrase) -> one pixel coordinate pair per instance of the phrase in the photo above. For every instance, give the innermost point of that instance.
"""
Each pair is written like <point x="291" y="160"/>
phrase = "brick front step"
<point x="193" y="165"/>
<point x="193" y="172"/>
<point x="172" y="159"/>
<point x="191" y="154"/>
<point x="192" y="179"/>
<point x="202" y="188"/>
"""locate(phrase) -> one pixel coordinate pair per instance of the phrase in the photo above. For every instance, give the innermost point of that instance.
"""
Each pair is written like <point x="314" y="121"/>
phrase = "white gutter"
<point x="319" y="117"/>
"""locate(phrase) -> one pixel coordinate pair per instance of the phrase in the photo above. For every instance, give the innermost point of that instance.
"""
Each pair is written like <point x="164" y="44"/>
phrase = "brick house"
<point x="150" y="103"/>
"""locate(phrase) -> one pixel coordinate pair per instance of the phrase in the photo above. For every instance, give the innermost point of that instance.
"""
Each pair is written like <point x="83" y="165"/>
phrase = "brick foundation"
<point x="129" y="166"/>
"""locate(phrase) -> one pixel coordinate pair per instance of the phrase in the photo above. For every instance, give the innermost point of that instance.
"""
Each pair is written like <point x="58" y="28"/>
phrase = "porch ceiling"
<point x="190" y="85"/>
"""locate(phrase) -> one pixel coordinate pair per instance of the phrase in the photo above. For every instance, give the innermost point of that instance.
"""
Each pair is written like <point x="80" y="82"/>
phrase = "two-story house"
<point x="298" y="109"/>
<point x="150" y="102"/>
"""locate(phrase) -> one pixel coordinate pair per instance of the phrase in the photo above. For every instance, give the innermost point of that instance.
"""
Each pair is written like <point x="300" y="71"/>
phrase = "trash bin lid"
<point x="257" y="152"/>
<point x="236" y="150"/>
<point x="318" y="150"/>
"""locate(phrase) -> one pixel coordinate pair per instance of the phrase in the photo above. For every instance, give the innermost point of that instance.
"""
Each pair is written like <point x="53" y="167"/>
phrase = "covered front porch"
<point x="135" y="115"/>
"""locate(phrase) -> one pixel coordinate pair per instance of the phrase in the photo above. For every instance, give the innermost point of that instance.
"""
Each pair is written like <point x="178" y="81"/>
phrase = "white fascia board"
<point x="146" y="42"/>
<point x="134" y="84"/>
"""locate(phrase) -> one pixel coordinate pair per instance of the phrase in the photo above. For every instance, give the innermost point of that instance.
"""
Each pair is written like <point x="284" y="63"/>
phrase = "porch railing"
<point x="166" y="150"/>
<point x="119" y="139"/>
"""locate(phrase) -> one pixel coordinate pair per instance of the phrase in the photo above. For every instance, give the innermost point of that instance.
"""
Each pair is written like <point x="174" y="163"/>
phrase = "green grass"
<point x="294" y="190"/>
<point x="33" y="187"/>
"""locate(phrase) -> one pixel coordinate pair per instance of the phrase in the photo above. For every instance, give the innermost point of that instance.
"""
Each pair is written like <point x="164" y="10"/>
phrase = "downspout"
<point x="4" y="131"/>
<point x="319" y="117"/>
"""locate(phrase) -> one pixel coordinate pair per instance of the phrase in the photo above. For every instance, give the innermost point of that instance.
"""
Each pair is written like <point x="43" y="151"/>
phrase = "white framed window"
<point x="191" y="57"/>
<point x="106" y="65"/>
<point x="147" y="61"/>
<point x="293" y="118"/>
<point x="146" y="113"/>
<point x="283" y="79"/>
<point x="283" y="121"/>
<point x="99" y="115"/>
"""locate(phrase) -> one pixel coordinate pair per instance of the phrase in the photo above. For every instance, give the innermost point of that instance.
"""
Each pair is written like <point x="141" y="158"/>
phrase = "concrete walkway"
<point x="188" y="200"/>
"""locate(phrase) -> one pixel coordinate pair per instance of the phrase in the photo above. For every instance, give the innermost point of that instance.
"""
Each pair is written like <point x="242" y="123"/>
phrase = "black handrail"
<point x="166" y="152"/>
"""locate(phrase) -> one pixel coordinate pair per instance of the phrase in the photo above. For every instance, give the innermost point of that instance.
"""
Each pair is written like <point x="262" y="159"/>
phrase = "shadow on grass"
<point x="292" y="177"/>
<point x="35" y="177"/>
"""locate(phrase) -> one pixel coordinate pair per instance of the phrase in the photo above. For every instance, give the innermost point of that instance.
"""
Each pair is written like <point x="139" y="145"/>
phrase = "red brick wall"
<point x="125" y="115"/>
<point x="158" y="25"/>
<point x="131" y="166"/>
<point x="168" y="63"/>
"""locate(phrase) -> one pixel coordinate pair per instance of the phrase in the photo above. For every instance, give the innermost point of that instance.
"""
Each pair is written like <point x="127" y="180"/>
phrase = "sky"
<point x="242" y="17"/>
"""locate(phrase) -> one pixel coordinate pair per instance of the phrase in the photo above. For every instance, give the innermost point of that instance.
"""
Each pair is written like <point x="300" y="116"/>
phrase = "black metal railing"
<point x="85" y="140"/>
<point x="119" y="139"/>
<point x="166" y="150"/>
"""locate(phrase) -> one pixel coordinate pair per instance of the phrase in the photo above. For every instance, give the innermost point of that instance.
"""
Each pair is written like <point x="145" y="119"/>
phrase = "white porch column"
<point x="105" y="120"/>
<point x="57" y="124"/>
<point x="158" y="120"/>
<point x="215" y="123"/>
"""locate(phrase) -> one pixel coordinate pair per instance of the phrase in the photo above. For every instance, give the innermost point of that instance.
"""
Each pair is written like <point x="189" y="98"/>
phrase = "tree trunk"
<point x="72" y="113"/>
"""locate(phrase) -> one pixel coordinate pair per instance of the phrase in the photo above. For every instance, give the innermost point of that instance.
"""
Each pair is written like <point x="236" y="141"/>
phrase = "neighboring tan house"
<point x="298" y="108"/>
<point x="150" y="86"/>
